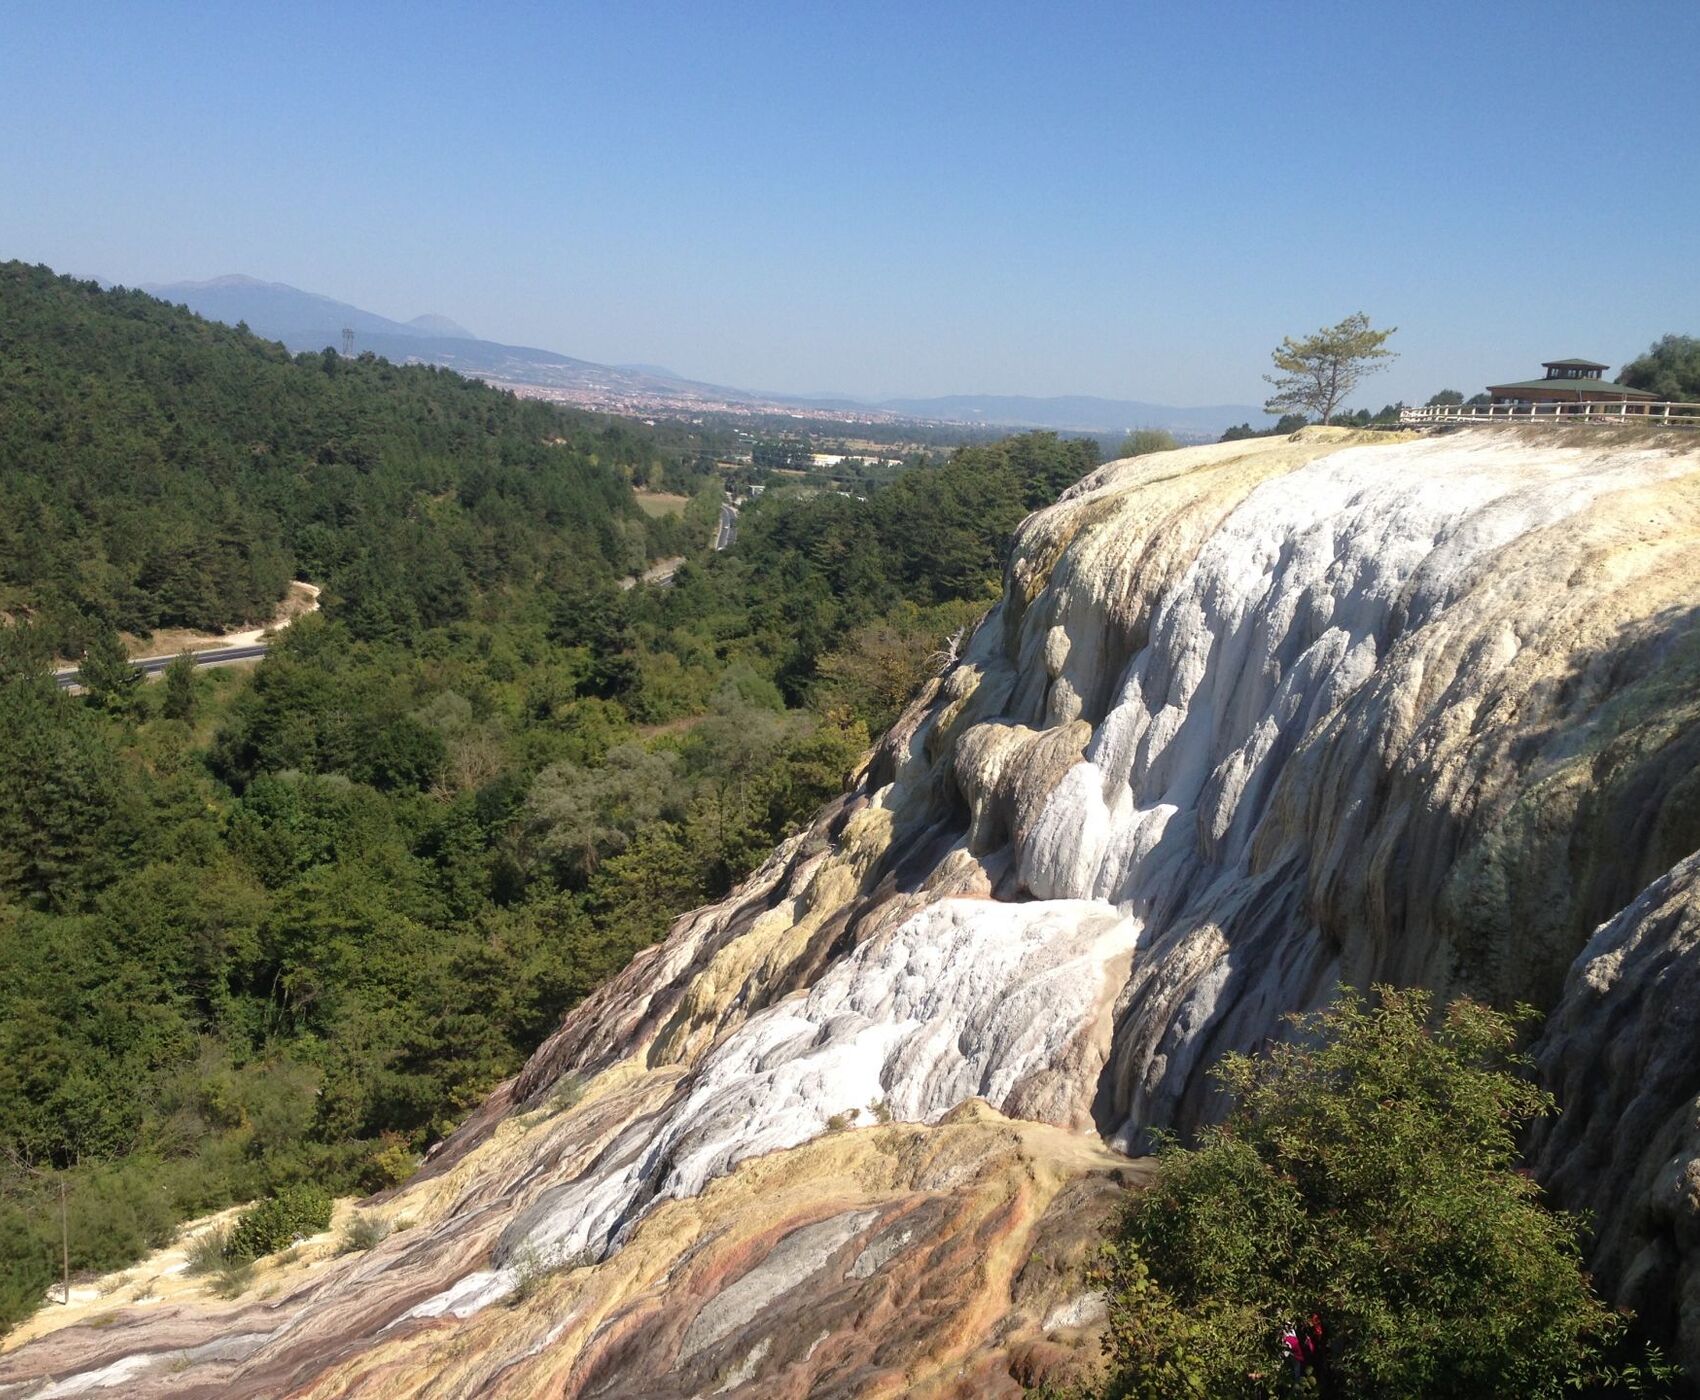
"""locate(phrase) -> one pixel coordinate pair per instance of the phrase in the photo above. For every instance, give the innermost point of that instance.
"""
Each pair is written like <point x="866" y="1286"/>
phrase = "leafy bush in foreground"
<point x="1364" y="1196"/>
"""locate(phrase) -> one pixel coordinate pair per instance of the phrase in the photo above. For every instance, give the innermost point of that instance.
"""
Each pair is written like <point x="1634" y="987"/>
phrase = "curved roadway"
<point x="153" y="665"/>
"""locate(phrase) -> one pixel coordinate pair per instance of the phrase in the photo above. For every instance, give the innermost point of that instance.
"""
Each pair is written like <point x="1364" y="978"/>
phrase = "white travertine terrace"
<point x="1251" y="720"/>
<point x="966" y="999"/>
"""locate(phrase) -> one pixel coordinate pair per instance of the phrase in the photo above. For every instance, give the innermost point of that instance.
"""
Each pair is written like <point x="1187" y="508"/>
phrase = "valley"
<point x="862" y="702"/>
<point x="1234" y="711"/>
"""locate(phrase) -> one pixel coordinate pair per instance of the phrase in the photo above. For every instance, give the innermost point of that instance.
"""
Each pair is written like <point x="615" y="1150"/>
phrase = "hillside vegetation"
<point x="161" y="470"/>
<point x="288" y="926"/>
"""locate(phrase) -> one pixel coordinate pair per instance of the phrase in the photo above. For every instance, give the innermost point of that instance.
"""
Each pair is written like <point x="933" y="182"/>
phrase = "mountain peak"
<point x="432" y="324"/>
<point x="230" y="281"/>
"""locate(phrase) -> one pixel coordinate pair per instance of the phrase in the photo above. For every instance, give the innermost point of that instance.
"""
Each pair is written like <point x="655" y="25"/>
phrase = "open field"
<point x="659" y="503"/>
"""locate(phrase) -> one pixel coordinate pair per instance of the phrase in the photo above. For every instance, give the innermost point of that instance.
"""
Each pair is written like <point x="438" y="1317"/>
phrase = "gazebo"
<point x="1571" y="381"/>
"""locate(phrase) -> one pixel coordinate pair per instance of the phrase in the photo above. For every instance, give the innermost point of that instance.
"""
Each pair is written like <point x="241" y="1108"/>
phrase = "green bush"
<point x="1145" y="440"/>
<point x="363" y="1232"/>
<point x="292" y="1214"/>
<point x="1364" y="1190"/>
<point x="233" y="1278"/>
<point x="207" y="1250"/>
<point x="393" y="1163"/>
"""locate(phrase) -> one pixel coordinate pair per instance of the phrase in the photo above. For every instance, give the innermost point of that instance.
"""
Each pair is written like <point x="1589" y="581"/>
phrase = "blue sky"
<point x="1134" y="200"/>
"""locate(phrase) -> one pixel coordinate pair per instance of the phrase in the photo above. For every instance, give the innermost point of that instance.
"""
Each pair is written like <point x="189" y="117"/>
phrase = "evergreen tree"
<point x="179" y="700"/>
<point x="62" y="833"/>
<point x="1318" y="373"/>
<point x="107" y="674"/>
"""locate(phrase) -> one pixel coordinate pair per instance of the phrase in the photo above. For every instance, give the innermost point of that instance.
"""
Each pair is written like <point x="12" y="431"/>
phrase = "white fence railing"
<point x="1632" y="412"/>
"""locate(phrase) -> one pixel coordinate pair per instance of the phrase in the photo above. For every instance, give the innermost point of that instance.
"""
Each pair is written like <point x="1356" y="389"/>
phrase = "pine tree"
<point x="179" y="702"/>
<point x="107" y="675"/>
<point x="1320" y="371"/>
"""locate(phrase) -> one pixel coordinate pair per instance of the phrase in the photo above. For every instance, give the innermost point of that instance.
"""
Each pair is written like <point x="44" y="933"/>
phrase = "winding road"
<point x="153" y="665"/>
<point x="215" y="651"/>
<point x="728" y="526"/>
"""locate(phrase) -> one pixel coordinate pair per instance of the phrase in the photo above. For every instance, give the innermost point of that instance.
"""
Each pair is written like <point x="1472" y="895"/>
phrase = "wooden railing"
<point x="1625" y="412"/>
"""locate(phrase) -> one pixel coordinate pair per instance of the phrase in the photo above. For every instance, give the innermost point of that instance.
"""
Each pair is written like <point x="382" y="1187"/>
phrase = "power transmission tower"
<point x="348" y="342"/>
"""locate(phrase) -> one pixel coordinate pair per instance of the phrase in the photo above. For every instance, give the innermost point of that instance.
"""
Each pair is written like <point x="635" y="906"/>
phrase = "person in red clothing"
<point x="1304" y="1345"/>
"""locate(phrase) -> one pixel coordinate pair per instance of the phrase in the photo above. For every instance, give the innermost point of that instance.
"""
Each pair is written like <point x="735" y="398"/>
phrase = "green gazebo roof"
<point x="1593" y="388"/>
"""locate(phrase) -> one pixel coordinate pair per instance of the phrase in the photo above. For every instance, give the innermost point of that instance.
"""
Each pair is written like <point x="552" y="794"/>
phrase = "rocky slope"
<point x="1250" y="720"/>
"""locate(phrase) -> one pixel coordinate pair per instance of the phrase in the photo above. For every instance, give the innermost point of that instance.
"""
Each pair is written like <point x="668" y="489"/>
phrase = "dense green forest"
<point x="161" y="470"/>
<point x="283" y="926"/>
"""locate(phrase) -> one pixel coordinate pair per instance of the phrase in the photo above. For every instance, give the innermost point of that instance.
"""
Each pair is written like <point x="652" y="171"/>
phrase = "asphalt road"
<point x="728" y="526"/>
<point x="152" y="665"/>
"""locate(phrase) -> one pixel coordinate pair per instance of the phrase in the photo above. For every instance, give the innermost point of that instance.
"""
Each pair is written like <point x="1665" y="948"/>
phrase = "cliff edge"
<point x="1250" y="720"/>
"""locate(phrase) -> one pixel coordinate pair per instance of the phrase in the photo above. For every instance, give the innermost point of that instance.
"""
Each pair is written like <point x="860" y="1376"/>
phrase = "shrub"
<point x="1365" y="1193"/>
<point x="364" y="1231"/>
<point x="232" y="1278"/>
<point x="292" y="1214"/>
<point x="393" y="1163"/>
<point x="568" y="1090"/>
<point x="206" y="1251"/>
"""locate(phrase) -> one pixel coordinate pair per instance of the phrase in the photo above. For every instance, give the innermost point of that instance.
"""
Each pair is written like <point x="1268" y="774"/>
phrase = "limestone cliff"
<point x="1250" y="720"/>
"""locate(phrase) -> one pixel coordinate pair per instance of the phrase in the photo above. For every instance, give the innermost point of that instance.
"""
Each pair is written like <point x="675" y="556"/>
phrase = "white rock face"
<point x="1269" y="718"/>
<point x="1622" y="1049"/>
<point x="1251" y="720"/>
<point x="967" y="999"/>
<point x="1167" y="819"/>
<point x="1323" y="587"/>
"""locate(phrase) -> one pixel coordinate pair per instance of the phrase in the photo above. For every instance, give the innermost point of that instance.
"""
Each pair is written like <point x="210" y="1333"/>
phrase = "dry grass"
<point x="362" y="1232"/>
<point x="233" y="1278"/>
<point x="657" y="503"/>
<point x="205" y="1252"/>
<point x="168" y="641"/>
<point x="1559" y="432"/>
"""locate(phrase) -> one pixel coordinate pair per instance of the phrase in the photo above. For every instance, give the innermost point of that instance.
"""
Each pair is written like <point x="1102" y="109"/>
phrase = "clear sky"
<point x="1131" y="199"/>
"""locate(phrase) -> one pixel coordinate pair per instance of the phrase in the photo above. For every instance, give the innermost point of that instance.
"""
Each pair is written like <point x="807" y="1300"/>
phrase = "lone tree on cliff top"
<point x="1317" y="373"/>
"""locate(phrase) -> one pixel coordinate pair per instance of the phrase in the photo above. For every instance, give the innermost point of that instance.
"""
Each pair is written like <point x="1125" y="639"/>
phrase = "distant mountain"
<point x="653" y="371"/>
<point x="307" y="321"/>
<point x="441" y="325"/>
<point x="301" y="320"/>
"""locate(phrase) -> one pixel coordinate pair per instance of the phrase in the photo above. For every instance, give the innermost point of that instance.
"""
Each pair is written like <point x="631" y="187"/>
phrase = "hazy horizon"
<point x="1124" y="202"/>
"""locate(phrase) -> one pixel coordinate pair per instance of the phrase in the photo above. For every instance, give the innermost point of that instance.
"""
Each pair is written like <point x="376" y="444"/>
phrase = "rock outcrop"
<point x="1250" y="721"/>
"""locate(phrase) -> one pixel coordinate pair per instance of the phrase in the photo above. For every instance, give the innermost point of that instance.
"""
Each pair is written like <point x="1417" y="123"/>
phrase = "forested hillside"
<point x="289" y="925"/>
<point x="161" y="470"/>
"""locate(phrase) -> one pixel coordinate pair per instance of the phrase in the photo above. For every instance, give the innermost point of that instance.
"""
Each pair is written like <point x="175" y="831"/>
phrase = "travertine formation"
<point x="1251" y="720"/>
